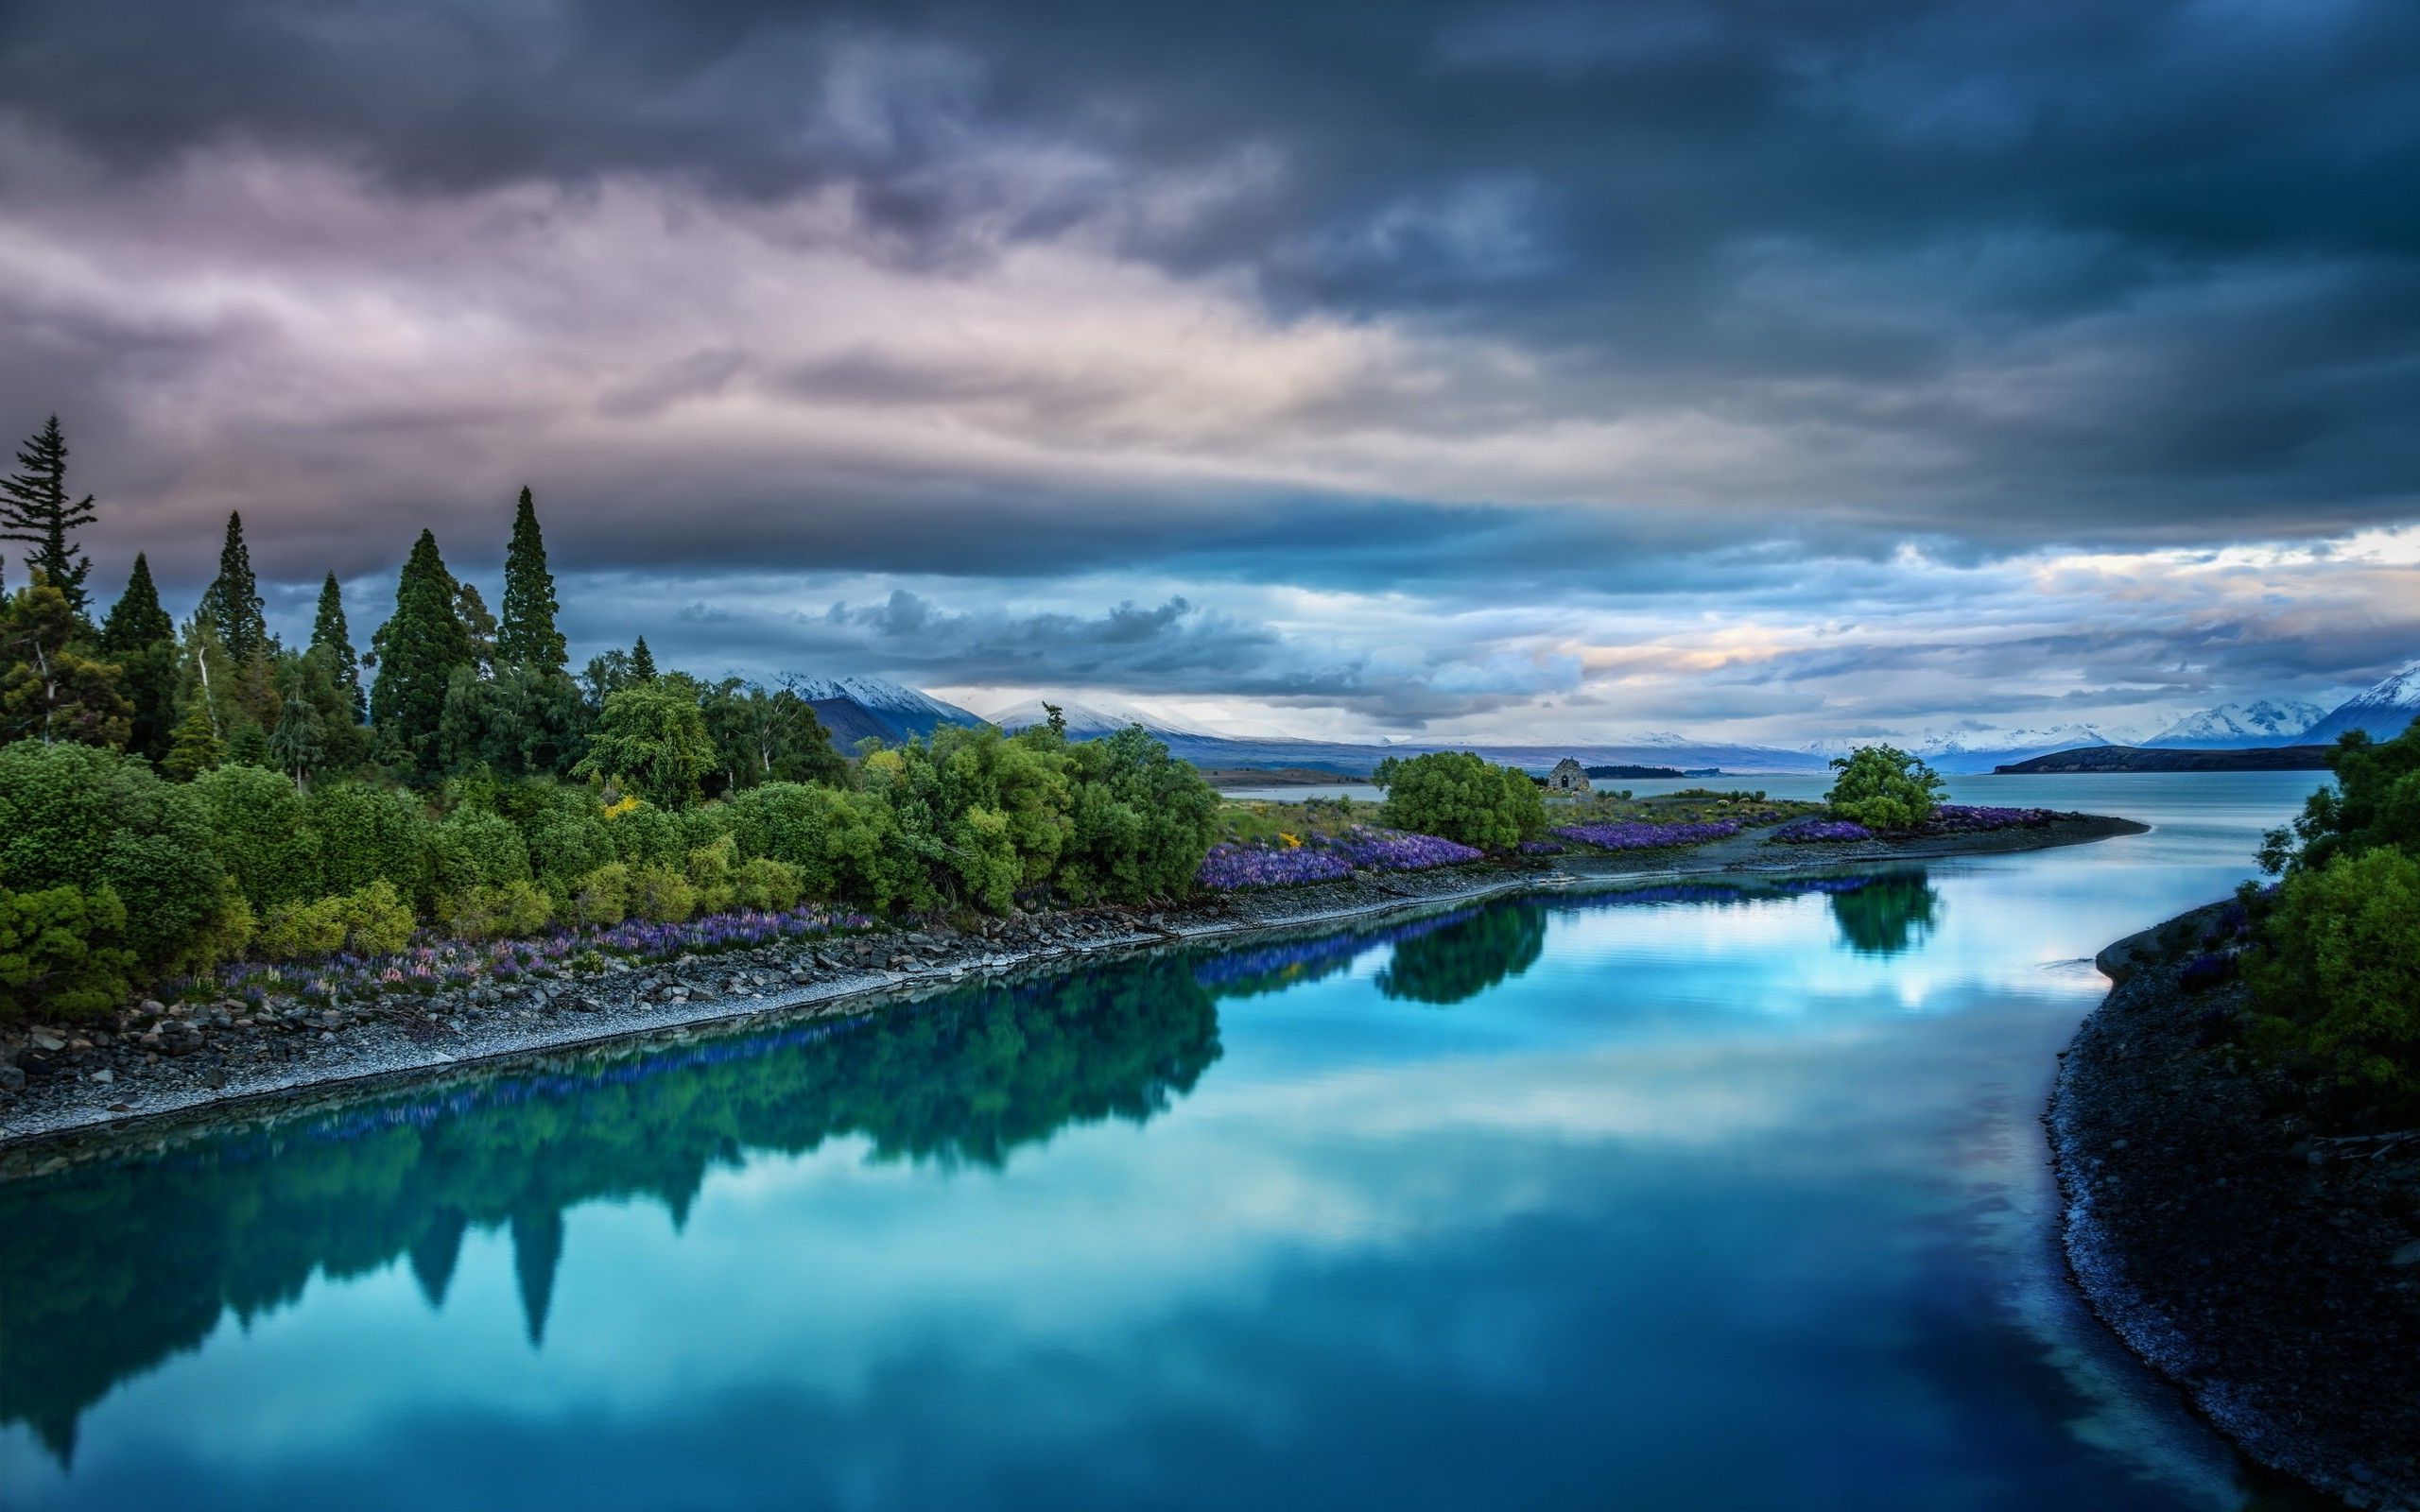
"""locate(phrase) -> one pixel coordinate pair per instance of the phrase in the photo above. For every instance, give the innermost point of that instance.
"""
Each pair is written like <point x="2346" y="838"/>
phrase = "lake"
<point x="1695" y="1197"/>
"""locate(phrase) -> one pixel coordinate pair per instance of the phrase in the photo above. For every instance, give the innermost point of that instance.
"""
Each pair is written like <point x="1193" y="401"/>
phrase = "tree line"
<point x="175" y="794"/>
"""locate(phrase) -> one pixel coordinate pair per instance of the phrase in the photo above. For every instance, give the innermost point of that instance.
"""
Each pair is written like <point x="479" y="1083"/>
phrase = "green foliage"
<point x="140" y="638"/>
<point x="766" y="884"/>
<point x="764" y="737"/>
<point x="196" y="747"/>
<point x="1882" y="787"/>
<point x="259" y="829"/>
<point x="330" y="635"/>
<point x="1462" y="960"/>
<point x="474" y="847"/>
<point x="368" y="834"/>
<point x="660" y="895"/>
<point x="372" y="920"/>
<point x="985" y="815"/>
<point x="36" y="510"/>
<point x="1140" y="821"/>
<point x="844" y="846"/>
<point x="526" y="636"/>
<point x="2339" y="984"/>
<point x="1887" y="915"/>
<point x="2374" y="801"/>
<point x="499" y="912"/>
<point x="652" y="741"/>
<point x="1464" y="797"/>
<point x="50" y="689"/>
<point x="417" y="648"/>
<point x="79" y="817"/>
<point x="231" y="606"/>
<point x="602" y="897"/>
<point x="63" y="952"/>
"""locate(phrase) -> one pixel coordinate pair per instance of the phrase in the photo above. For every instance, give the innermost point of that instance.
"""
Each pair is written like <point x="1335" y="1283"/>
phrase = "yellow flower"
<point x="629" y="804"/>
<point x="1292" y="844"/>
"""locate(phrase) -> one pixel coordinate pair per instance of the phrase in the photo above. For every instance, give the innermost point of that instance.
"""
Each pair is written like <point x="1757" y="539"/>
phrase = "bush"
<point x="93" y="819"/>
<point x="2338" y="982"/>
<point x="602" y="897"/>
<point x="710" y="874"/>
<point x="1141" y="821"/>
<point x="260" y="828"/>
<point x="652" y="740"/>
<point x="474" y="848"/>
<point x="62" y="950"/>
<point x="371" y="921"/>
<point x="762" y="882"/>
<point x="1460" y="797"/>
<point x="503" y="911"/>
<point x="660" y="895"/>
<point x="367" y="834"/>
<point x="1882" y="787"/>
<point x="2374" y="801"/>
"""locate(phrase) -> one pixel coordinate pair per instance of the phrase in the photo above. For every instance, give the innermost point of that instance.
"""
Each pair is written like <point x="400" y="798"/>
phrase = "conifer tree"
<point x="417" y="649"/>
<point x="526" y="635"/>
<point x="196" y="747"/>
<point x="299" y="742"/>
<point x="642" y="662"/>
<point x="478" y="624"/>
<point x="49" y="689"/>
<point x="231" y="603"/>
<point x="36" y="510"/>
<point x="330" y="634"/>
<point x="142" y="639"/>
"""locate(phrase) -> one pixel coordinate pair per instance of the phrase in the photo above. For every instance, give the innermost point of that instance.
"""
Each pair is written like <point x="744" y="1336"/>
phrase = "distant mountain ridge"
<point x="857" y="709"/>
<point x="2383" y="711"/>
<point x="2262" y="722"/>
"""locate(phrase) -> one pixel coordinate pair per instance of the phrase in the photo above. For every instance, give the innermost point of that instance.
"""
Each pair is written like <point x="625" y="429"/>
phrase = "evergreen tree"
<point x="196" y="747"/>
<point x="298" y="743"/>
<point x="417" y="649"/>
<point x="478" y="624"/>
<point x="49" y="689"/>
<point x="642" y="662"/>
<point x="231" y="603"/>
<point x="142" y="639"/>
<point x="526" y="635"/>
<point x="330" y="634"/>
<point x="35" y="510"/>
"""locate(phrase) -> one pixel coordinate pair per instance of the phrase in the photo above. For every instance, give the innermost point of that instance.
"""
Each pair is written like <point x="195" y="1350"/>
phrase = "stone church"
<point x="1568" y="777"/>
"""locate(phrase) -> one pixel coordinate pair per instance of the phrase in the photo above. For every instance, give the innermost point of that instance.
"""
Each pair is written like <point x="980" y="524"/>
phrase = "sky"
<point x="1763" y="370"/>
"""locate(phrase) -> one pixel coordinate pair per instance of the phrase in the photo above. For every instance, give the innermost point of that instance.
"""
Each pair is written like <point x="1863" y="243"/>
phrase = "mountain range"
<point x="856" y="709"/>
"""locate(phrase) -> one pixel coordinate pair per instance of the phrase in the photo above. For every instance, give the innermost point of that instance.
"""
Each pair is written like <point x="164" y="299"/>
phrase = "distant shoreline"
<point x="236" y="1067"/>
<point x="2093" y="759"/>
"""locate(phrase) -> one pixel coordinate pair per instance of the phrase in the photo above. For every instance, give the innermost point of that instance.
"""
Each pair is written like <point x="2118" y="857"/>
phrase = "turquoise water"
<point x="1704" y="1197"/>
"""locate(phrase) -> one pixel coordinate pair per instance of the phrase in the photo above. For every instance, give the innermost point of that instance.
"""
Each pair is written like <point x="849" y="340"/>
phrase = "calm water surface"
<point x="1704" y="1197"/>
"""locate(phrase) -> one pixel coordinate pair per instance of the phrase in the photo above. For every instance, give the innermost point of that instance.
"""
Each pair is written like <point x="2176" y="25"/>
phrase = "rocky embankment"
<point x="154" y="1059"/>
<point x="2267" y="1264"/>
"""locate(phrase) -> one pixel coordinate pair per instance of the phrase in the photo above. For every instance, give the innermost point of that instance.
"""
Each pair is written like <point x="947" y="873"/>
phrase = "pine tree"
<point x="299" y="742"/>
<point x="196" y="747"/>
<point x="34" y="508"/>
<point x="49" y="689"/>
<point x="642" y="662"/>
<point x="417" y="649"/>
<point x="528" y="636"/>
<point x="330" y="634"/>
<point x="142" y="639"/>
<point x="231" y="603"/>
<point x="478" y="624"/>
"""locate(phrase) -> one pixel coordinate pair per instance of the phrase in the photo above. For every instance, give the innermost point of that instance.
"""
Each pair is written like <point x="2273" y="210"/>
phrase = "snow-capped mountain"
<point x="1089" y="721"/>
<point x="2263" y="722"/>
<point x="2383" y="711"/>
<point x="1976" y="751"/>
<point x="854" y="709"/>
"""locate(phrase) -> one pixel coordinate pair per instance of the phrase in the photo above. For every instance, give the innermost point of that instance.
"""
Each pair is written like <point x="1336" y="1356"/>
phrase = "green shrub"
<point x="652" y="740"/>
<point x="79" y="817"/>
<point x="259" y="826"/>
<point x="2374" y="802"/>
<point x="602" y="897"/>
<point x="660" y="895"/>
<point x="647" y="835"/>
<point x="1140" y="823"/>
<point x="762" y="882"/>
<point x="844" y="846"/>
<point x="63" y="952"/>
<point x="2338" y="982"/>
<point x="474" y="848"/>
<point x="499" y="911"/>
<point x="367" y="834"/>
<point x="711" y="875"/>
<point x="370" y="921"/>
<point x="1458" y="796"/>
<point x="1882" y="787"/>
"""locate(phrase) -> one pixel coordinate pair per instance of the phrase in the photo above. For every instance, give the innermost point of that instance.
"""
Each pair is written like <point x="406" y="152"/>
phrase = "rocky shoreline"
<point x="156" y="1062"/>
<point x="2268" y="1266"/>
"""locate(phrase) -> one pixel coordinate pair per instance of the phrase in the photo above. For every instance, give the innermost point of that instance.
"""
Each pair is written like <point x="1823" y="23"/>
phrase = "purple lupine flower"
<point x="1816" y="830"/>
<point x="1632" y="835"/>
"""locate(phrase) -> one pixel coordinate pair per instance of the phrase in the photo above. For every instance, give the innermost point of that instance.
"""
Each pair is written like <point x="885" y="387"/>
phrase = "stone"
<point x="11" y="1079"/>
<point x="45" y="1040"/>
<point x="105" y="1075"/>
<point x="2408" y="1255"/>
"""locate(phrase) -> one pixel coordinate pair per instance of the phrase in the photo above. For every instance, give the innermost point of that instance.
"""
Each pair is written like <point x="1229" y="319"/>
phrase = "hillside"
<point x="2169" y="759"/>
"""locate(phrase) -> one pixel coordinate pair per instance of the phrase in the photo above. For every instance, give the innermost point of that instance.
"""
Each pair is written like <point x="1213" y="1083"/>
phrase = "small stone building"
<point x="1568" y="777"/>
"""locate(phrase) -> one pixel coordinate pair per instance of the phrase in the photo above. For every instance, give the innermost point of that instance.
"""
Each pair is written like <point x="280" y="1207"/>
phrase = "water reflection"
<point x="109" y="1270"/>
<point x="1891" y="914"/>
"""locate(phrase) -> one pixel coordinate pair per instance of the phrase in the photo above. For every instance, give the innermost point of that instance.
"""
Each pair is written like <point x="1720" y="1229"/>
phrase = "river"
<point x="1694" y="1197"/>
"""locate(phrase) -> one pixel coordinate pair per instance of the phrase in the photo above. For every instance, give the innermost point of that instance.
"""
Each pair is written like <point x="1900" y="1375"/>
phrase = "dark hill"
<point x="2149" y="759"/>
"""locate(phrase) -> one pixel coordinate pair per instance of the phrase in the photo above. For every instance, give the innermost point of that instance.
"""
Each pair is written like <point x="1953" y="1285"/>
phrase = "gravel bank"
<point x="2268" y="1268"/>
<point x="153" y="1062"/>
